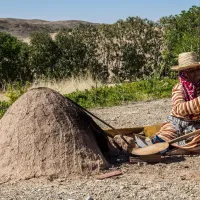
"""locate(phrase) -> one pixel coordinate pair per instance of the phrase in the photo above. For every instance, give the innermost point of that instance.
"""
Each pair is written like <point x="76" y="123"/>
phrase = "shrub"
<point x="123" y="93"/>
<point x="15" y="90"/>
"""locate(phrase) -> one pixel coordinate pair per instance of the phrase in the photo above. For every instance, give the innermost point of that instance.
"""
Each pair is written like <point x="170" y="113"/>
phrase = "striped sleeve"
<point x="180" y="106"/>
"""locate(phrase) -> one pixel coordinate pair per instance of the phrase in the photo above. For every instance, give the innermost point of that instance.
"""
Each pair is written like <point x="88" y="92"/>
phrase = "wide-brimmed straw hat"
<point x="186" y="60"/>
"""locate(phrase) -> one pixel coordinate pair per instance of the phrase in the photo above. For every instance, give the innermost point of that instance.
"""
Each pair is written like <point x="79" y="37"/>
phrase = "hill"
<point x="22" y="28"/>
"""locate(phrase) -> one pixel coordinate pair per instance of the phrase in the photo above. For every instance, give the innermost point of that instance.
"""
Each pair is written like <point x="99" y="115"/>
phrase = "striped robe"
<point x="182" y="109"/>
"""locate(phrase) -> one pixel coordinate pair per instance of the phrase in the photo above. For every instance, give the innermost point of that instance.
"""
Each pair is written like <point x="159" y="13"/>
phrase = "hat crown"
<point x="187" y="58"/>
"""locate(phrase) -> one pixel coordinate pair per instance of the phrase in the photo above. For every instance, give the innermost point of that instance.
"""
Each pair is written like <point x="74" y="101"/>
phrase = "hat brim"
<point x="180" y="68"/>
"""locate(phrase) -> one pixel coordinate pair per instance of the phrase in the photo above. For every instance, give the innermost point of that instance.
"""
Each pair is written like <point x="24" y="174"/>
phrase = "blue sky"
<point x="101" y="11"/>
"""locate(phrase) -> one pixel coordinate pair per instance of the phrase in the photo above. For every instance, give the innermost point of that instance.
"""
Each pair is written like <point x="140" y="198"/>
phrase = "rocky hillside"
<point x="23" y="27"/>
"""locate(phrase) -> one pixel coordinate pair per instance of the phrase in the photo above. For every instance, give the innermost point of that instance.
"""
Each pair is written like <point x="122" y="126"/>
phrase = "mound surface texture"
<point x="44" y="134"/>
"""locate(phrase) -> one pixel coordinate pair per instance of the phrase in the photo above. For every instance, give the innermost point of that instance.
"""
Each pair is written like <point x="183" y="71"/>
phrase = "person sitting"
<point x="185" y="112"/>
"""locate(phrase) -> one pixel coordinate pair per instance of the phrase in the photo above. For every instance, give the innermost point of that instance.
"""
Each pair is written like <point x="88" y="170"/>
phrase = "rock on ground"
<point x="43" y="134"/>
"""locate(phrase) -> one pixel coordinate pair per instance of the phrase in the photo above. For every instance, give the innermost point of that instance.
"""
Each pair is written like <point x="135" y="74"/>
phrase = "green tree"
<point x="132" y="63"/>
<point x="13" y="56"/>
<point x="90" y="36"/>
<point x="181" y="34"/>
<point x="73" y="60"/>
<point x="136" y="48"/>
<point x="43" y="55"/>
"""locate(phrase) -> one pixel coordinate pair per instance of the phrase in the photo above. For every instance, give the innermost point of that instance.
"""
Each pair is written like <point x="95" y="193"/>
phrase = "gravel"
<point x="177" y="177"/>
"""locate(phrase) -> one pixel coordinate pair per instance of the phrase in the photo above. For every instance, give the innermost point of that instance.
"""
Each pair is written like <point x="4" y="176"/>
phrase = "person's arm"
<point x="181" y="106"/>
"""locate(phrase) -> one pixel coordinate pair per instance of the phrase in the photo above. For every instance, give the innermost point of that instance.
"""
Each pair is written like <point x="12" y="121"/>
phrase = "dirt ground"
<point x="177" y="177"/>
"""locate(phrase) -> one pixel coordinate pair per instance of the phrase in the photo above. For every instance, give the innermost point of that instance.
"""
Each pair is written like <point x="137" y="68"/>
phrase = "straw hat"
<point x="186" y="60"/>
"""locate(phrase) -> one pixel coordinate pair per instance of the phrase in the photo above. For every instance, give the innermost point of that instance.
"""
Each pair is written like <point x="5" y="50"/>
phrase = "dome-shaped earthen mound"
<point x="44" y="134"/>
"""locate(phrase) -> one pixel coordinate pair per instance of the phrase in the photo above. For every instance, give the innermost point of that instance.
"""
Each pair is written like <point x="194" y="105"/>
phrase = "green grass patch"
<point x="106" y="96"/>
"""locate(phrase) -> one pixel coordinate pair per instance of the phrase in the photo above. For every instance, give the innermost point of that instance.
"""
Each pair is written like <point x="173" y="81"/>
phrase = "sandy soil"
<point x="176" y="177"/>
<point x="135" y="114"/>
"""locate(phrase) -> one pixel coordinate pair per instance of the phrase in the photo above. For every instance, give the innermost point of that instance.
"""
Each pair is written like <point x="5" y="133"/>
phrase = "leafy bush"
<point x="123" y="93"/>
<point x="3" y="107"/>
<point x="16" y="90"/>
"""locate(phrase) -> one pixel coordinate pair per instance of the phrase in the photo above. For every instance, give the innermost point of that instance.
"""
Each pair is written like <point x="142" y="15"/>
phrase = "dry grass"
<point x="69" y="85"/>
<point x="3" y="97"/>
<point x="64" y="86"/>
